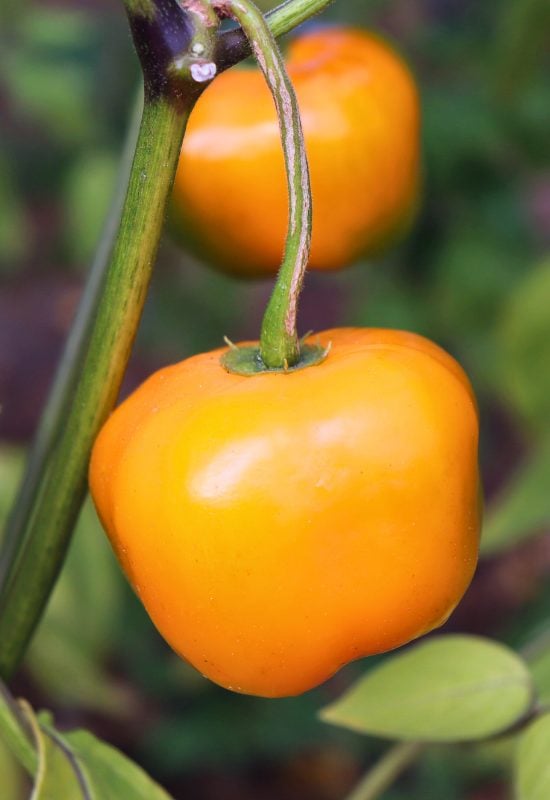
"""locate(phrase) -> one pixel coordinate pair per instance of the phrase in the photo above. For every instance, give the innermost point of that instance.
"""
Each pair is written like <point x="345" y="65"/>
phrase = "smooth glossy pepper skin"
<point x="360" y="115"/>
<point x="279" y="526"/>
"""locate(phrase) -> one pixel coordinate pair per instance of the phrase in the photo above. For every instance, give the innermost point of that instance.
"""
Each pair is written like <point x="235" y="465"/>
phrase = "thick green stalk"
<point x="59" y="398"/>
<point x="397" y="759"/>
<point x="279" y="342"/>
<point x="104" y="364"/>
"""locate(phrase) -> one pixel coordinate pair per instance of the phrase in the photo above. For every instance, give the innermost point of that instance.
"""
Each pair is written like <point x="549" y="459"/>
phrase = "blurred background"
<point x="474" y="275"/>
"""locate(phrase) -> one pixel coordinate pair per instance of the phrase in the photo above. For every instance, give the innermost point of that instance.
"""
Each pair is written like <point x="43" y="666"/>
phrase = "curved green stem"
<point x="279" y="343"/>
<point x="397" y="759"/>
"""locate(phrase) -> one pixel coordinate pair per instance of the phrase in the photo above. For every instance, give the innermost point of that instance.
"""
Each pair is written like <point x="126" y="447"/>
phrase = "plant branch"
<point x="59" y="398"/>
<point x="175" y="41"/>
<point x="392" y="764"/>
<point x="233" y="46"/>
<point x="279" y="343"/>
<point x="105" y="360"/>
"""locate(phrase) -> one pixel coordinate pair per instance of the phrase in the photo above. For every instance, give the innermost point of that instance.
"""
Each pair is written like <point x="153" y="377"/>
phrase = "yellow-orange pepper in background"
<point x="279" y="526"/>
<point x="360" y="115"/>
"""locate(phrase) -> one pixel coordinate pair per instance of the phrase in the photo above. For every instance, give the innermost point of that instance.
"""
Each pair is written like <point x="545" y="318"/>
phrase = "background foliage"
<point x="474" y="275"/>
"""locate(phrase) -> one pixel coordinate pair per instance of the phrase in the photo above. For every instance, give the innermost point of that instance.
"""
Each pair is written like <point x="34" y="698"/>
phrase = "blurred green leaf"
<point x="67" y="654"/>
<point x="55" y="30"/>
<point x="474" y="274"/>
<point x="44" y="66"/>
<point x="14" y="232"/>
<point x="78" y="766"/>
<point x="530" y="121"/>
<point x="13" y="783"/>
<point x="388" y="300"/>
<point x="540" y="670"/>
<point x="523" y="507"/>
<point x="525" y="345"/>
<point x="55" y="95"/>
<point x="521" y="35"/>
<point x="463" y="134"/>
<point x="88" y="194"/>
<point x="11" y="465"/>
<point x="13" y="730"/>
<point x="57" y="774"/>
<point x="533" y="762"/>
<point x="450" y="688"/>
<point x="110" y="775"/>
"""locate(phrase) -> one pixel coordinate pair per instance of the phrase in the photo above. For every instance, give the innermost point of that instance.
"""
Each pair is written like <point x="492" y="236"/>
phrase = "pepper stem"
<point x="279" y="342"/>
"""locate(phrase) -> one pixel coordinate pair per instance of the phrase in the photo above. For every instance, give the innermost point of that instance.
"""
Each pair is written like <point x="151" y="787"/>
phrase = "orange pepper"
<point x="360" y="115"/>
<point x="279" y="526"/>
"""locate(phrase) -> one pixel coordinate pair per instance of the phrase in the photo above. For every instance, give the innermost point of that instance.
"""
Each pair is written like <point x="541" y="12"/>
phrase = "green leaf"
<point x="55" y="30"/>
<point x="88" y="194"/>
<point x="521" y="36"/>
<point x="11" y="465"/>
<point x="533" y="762"/>
<point x="523" y="507"/>
<point x="77" y="766"/>
<point x="13" y="730"/>
<point x="56" y="97"/>
<point x="471" y="297"/>
<point x="450" y="688"/>
<point x="111" y="774"/>
<point x="12" y="779"/>
<point x="14" y="229"/>
<point x="525" y="344"/>
<point x="540" y="670"/>
<point x="461" y="129"/>
<point x="73" y="640"/>
<point x="58" y="775"/>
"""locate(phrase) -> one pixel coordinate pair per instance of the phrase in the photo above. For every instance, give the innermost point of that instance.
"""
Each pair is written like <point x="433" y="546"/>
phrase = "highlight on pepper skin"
<point x="280" y="526"/>
<point x="360" y="114"/>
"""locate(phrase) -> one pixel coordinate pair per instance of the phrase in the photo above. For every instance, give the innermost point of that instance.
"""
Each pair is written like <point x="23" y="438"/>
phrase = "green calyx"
<point x="248" y="361"/>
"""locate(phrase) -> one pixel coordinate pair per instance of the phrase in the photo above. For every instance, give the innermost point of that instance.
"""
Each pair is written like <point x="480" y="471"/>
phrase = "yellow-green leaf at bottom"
<point x="450" y="688"/>
<point x="540" y="670"/>
<point x="533" y="762"/>
<point x="77" y="766"/>
<point x="57" y="776"/>
<point x="112" y="775"/>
